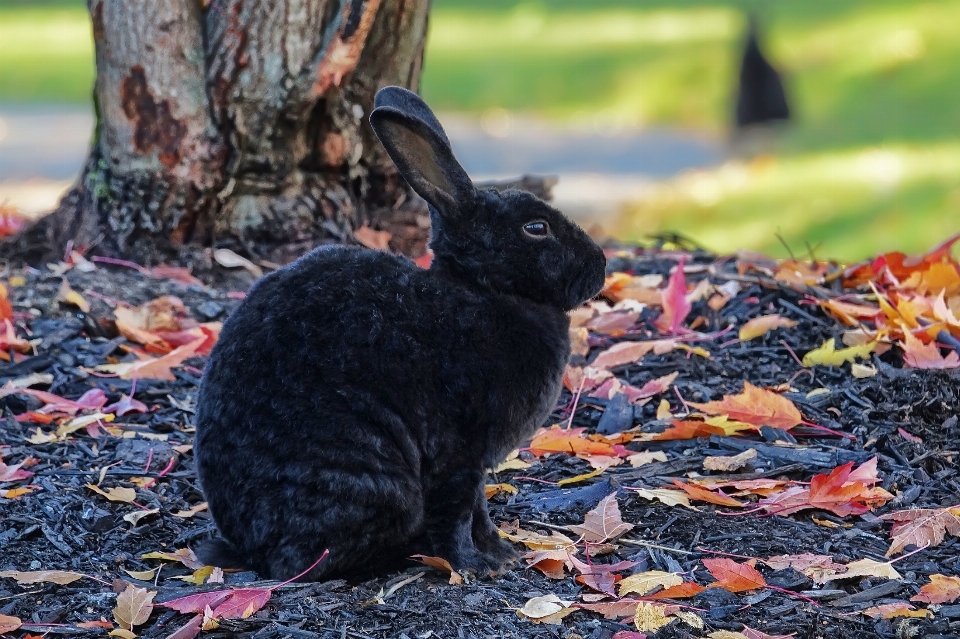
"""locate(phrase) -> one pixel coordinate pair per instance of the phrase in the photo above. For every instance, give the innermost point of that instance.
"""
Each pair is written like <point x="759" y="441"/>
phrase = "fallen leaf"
<point x="646" y="457"/>
<point x="126" y="405"/>
<point x="827" y="355"/>
<point x="922" y="527"/>
<point x="142" y="575"/>
<point x="376" y="240"/>
<point x="535" y="541"/>
<point x="869" y="568"/>
<point x="93" y="399"/>
<point x="750" y="633"/>
<point x="106" y="625"/>
<point x="199" y="576"/>
<point x="441" y="564"/>
<point x="663" y="495"/>
<point x="896" y="609"/>
<point x="549" y="609"/>
<point x="941" y="589"/>
<point x="495" y="489"/>
<point x="732" y="576"/>
<point x="186" y="514"/>
<point x="551" y="563"/>
<point x="183" y="555"/>
<point x="14" y="473"/>
<point x="760" y="326"/>
<point x="228" y="259"/>
<point x="9" y="340"/>
<point x="755" y="406"/>
<point x="578" y="341"/>
<point x="684" y="591"/>
<point x="157" y="367"/>
<point x="927" y="356"/>
<point x="862" y="371"/>
<point x="61" y="577"/>
<point x="819" y="568"/>
<point x="126" y="495"/>
<point x="9" y="624"/>
<point x="842" y="492"/>
<point x="569" y="441"/>
<point x="70" y="296"/>
<point x="729" y="463"/>
<point x="651" y="617"/>
<point x="644" y="582"/>
<point x="699" y="493"/>
<point x="242" y="603"/>
<point x="135" y="517"/>
<point x="134" y="606"/>
<point x="600" y="576"/>
<point x="603" y="523"/>
<point x="676" y="307"/>
<point x="614" y="322"/>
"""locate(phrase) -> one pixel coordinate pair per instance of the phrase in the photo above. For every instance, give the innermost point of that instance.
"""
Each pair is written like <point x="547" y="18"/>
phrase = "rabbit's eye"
<point x="537" y="229"/>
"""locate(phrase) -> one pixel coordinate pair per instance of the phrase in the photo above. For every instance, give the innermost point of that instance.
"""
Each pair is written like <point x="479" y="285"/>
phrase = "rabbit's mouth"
<point x="585" y="287"/>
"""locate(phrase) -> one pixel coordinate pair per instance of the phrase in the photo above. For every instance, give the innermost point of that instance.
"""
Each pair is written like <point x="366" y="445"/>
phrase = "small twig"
<point x="576" y="400"/>
<point x="792" y="354"/>
<point x="646" y="544"/>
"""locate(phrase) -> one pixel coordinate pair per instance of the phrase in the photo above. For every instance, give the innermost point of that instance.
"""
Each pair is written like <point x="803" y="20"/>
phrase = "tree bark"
<point x="239" y="124"/>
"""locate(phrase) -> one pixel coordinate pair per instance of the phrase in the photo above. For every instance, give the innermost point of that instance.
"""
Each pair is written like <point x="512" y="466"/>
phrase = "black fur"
<point x="760" y="98"/>
<point x="354" y="401"/>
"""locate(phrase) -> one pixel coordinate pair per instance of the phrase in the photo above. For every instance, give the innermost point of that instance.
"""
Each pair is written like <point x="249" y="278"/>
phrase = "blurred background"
<point x="631" y="104"/>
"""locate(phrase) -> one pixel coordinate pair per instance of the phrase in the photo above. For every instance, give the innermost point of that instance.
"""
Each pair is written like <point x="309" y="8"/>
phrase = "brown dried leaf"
<point x="604" y="522"/>
<point x="134" y="606"/>
<point x="729" y="463"/>
<point x="61" y="577"/>
<point x="922" y="527"/>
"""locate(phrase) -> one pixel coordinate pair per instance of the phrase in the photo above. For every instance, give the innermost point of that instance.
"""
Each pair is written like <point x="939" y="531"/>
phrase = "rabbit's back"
<point x="342" y="384"/>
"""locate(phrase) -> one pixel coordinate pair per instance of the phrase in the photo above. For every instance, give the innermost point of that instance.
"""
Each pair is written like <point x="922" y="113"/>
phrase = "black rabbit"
<point x="354" y="401"/>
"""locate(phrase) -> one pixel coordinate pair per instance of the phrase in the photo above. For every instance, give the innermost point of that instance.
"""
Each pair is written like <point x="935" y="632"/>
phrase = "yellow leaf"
<point x="493" y="489"/>
<point x="651" y="617"/>
<point x="644" y="582"/>
<point x="666" y="496"/>
<point x="827" y="355"/>
<point x="126" y="495"/>
<point x="663" y="410"/>
<point x="870" y="568"/>
<point x="199" y="575"/>
<point x="142" y="575"/>
<point x="123" y="633"/>
<point x="583" y="477"/>
<point x="696" y="350"/>
<point x="186" y="514"/>
<point x="535" y="541"/>
<point x="759" y="326"/>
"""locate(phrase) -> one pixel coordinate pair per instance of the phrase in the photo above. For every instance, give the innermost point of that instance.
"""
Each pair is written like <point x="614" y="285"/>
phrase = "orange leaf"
<point x="755" y="406"/>
<point x="570" y="441"/>
<point x="683" y="591"/>
<point x="895" y="609"/>
<point x="941" y="589"/>
<point x="377" y="240"/>
<point x="760" y="326"/>
<point x="687" y="429"/>
<point x="12" y="221"/>
<point x="622" y="354"/>
<point x="699" y="493"/>
<point x="733" y="576"/>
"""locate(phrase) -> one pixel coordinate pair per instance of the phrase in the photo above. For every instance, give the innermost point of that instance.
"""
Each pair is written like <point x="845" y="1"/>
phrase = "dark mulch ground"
<point x="62" y="525"/>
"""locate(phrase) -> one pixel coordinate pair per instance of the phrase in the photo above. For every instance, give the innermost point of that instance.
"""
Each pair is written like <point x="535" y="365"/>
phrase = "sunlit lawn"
<point x="868" y="78"/>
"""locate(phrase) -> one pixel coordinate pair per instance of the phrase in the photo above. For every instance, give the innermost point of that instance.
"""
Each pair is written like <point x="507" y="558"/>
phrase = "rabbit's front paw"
<point x="498" y="550"/>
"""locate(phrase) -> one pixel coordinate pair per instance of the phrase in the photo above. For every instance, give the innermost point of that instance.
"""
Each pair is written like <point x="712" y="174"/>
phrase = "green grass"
<point x="866" y="78"/>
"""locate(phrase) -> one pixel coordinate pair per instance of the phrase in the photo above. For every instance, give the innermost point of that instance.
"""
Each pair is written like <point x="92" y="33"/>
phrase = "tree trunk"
<point x="239" y="124"/>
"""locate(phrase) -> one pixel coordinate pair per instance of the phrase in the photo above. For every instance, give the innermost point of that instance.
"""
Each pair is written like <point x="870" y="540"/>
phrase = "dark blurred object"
<point x="760" y="98"/>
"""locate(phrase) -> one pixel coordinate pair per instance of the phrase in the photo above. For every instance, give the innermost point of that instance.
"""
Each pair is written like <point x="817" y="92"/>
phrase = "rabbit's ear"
<point x="418" y="146"/>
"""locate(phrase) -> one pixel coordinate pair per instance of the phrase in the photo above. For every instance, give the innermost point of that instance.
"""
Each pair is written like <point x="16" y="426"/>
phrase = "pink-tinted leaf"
<point x="197" y="602"/>
<point x="242" y="603"/>
<point x="126" y="405"/>
<point x="190" y="629"/>
<point x="675" y="304"/>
